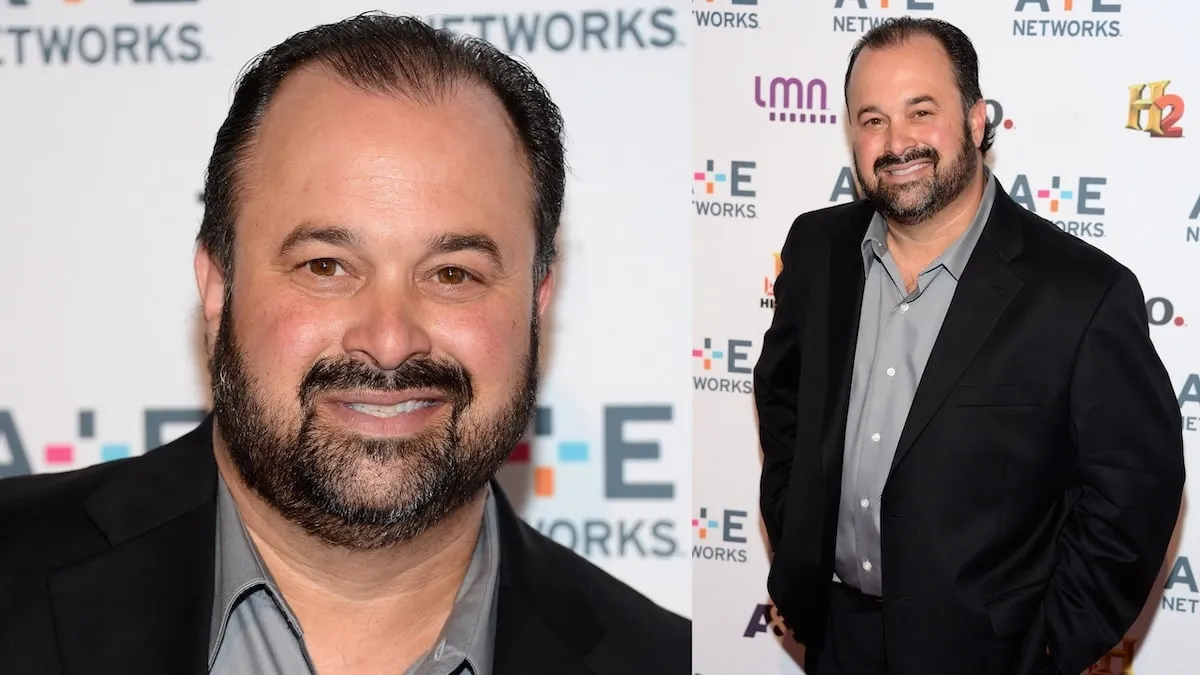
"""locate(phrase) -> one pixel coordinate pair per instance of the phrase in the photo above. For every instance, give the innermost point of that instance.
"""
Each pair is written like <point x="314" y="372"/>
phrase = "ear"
<point x="545" y="292"/>
<point x="977" y="119"/>
<point x="210" y="280"/>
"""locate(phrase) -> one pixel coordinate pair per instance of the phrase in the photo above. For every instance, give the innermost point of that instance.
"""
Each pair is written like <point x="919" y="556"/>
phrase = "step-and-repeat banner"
<point x="1089" y="99"/>
<point x="109" y="111"/>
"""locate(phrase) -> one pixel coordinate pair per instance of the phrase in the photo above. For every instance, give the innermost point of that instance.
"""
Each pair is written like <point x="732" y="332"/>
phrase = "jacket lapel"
<point x="985" y="290"/>
<point x="542" y="623"/>
<point x="143" y="605"/>
<point x="846" y="282"/>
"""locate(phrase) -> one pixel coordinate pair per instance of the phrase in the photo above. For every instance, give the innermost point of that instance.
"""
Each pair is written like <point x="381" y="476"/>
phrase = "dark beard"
<point x="938" y="190"/>
<point x="308" y="475"/>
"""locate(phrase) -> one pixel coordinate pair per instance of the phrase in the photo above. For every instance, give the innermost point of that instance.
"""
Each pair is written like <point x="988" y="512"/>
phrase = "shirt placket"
<point x="881" y="426"/>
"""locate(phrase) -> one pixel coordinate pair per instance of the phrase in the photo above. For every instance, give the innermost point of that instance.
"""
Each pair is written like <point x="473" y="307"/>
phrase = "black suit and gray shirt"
<point x="992" y="465"/>
<point x="255" y="631"/>
<point x="896" y="333"/>
<point x="114" y="569"/>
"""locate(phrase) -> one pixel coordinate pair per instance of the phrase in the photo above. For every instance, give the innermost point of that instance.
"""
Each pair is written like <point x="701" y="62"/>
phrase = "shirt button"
<point x="875" y="437"/>
<point x="891" y="372"/>
<point x="904" y="307"/>
<point x="865" y="503"/>
<point x="867" y="565"/>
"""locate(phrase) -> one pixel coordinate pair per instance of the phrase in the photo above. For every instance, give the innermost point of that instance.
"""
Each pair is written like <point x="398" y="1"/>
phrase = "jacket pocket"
<point x="1028" y="393"/>
<point x="1012" y="611"/>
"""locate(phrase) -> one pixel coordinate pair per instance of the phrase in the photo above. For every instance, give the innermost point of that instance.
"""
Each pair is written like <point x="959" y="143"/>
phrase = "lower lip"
<point x="400" y="424"/>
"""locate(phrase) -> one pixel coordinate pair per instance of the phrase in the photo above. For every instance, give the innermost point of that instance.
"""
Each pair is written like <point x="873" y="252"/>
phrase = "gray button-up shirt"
<point x="896" y="333"/>
<point x="254" y="630"/>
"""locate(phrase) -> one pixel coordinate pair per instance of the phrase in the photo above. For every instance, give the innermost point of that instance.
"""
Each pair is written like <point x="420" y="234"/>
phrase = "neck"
<point x="360" y="607"/>
<point x="928" y="239"/>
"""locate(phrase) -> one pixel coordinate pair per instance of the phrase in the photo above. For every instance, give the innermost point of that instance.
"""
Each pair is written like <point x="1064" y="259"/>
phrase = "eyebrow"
<point x="480" y="243"/>
<point x="915" y="100"/>
<point x="335" y="236"/>
<point x="344" y="238"/>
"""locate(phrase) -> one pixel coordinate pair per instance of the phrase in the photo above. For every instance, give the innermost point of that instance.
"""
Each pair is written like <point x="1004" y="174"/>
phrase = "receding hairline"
<point x="897" y="43"/>
<point x="448" y="86"/>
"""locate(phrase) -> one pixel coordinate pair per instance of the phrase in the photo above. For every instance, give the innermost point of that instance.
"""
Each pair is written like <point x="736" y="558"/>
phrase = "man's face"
<point x="375" y="357"/>
<point x="914" y="149"/>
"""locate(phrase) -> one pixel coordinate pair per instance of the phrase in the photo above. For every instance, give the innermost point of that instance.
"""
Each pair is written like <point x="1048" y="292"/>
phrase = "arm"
<point x="1128" y="486"/>
<point x="776" y="376"/>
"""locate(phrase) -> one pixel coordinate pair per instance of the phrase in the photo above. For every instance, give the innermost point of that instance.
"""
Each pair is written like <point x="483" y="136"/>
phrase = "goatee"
<point x="916" y="202"/>
<point x="314" y="472"/>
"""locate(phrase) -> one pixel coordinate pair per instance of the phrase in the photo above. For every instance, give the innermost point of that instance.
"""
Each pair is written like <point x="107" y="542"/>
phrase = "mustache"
<point x="889" y="159"/>
<point x="346" y="374"/>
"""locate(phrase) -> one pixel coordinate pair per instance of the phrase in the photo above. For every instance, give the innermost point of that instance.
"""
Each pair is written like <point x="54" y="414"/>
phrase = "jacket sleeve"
<point x="776" y="376"/>
<point x="1128" y="483"/>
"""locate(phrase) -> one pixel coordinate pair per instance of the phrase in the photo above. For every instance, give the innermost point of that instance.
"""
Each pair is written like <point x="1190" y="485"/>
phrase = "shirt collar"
<point x="239" y="570"/>
<point x="955" y="257"/>
<point x="469" y="633"/>
<point x="470" y="629"/>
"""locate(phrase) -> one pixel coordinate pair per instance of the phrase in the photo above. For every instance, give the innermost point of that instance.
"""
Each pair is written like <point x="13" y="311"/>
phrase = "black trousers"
<point x="854" y="643"/>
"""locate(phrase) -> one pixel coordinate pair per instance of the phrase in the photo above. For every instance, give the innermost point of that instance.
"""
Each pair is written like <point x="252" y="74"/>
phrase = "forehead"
<point x="327" y="150"/>
<point x="918" y="66"/>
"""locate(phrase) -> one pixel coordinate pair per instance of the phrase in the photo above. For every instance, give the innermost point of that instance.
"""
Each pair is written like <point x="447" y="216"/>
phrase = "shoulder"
<point x="30" y="500"/>
<point x="53" y="518"/>
<point x="43" y="517"/>
<point x="824" y="223"/>
<point x="1075" y="265"/>
<point x="579" y="597"/>
<point x="617" y="604"/>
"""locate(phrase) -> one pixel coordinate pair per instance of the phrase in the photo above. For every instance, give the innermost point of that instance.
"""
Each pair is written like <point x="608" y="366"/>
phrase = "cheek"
<point x="867" y="150"/>
<point x="489" y="342"/>
<point x="943" y="138"/>
<point x="281" y="340"/>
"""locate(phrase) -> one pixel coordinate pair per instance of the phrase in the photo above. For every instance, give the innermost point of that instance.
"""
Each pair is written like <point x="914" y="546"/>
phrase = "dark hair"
<point x="400" y="56"/>
<point x="963" y="59"/>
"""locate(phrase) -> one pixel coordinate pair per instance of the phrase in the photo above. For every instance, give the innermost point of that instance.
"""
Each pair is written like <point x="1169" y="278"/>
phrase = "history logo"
<point x="1154" y="111"/>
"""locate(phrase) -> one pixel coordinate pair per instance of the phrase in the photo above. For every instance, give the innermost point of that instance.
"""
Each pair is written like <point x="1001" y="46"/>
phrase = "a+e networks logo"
<point x="719" y="534"/>
<point x="29" y="39"/>
<point x="19" y="457"/>
<point x="725" y="189"/>
<point x="1071" y="19"/>
<point x="566" y="467"/>
<point x="726" y="14"/>
<point x="725" y="366"/>
<point x="592" y="30"/>
<point x="860" y="16"/>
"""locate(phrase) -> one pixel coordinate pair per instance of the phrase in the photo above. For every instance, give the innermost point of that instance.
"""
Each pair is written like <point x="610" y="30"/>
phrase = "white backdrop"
<point x="108" y="117"/>
<point x="1059" y="74"/>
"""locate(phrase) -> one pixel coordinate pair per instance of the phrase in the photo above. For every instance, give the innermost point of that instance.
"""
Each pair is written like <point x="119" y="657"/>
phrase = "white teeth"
<point x="905" y="172"/>
<point x="389" y="410"/>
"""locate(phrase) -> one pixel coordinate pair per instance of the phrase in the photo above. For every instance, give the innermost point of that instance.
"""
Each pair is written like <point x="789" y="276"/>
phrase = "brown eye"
<point x="452" y="275"/>
<point x="323" y="267"/>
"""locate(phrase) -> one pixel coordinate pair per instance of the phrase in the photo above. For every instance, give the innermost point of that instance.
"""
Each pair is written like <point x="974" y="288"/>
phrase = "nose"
<point x="900" y="138"/>
<point x="385" y="327"/>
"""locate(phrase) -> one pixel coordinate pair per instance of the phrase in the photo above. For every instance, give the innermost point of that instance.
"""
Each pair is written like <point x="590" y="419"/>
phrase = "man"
<point x="375" y="256"/>
<point x="973" y="458"/>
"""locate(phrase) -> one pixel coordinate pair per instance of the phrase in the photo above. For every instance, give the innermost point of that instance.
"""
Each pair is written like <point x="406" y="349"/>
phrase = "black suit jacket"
<point x="110" y="570"/>
<point x="1039" y="474"/>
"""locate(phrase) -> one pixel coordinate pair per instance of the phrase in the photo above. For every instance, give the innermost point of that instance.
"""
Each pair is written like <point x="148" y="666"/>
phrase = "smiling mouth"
<point x="913" y="168"/>
<point x="385" y="411"/>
